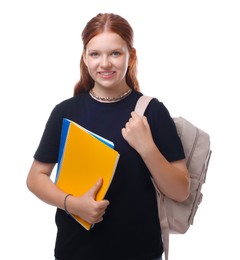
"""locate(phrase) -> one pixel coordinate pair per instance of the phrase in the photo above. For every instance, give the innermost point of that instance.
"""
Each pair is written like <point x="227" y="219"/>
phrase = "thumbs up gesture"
<point x="86" y="207"/>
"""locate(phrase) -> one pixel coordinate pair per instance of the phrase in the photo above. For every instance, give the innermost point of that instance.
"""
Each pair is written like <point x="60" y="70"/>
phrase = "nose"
<point x="105" y="62"/>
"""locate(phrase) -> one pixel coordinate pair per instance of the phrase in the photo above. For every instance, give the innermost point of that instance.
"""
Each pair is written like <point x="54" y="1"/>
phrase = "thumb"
<point x="94" y="190"/>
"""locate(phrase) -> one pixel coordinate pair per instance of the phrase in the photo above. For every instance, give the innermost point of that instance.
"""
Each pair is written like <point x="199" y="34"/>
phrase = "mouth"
<point x="106" y="74"/>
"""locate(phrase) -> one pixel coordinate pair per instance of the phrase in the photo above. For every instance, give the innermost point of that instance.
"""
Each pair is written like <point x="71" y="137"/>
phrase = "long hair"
<point x="112" y="23"/>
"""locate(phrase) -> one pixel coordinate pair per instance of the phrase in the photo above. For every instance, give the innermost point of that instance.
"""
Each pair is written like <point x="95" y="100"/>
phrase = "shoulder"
<point x="164" y="131"/>
<point x="69" y="105"/>
<point x="72" y="101"/>
<point x="157" y="109"/>
<point x="65" y="108"/>
<point x="159" y="116"/>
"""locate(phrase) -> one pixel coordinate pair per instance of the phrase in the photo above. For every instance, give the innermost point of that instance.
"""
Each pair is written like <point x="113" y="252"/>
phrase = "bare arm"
<point x="85" y="206"/>
<point x="172" y="179"/>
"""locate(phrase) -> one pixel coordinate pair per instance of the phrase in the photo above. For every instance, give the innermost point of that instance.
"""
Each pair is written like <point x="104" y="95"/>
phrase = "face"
<point x="107" y="58"/>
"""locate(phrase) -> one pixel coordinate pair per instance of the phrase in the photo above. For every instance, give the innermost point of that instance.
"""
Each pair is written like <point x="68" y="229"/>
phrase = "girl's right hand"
<point x="86" y="207"/>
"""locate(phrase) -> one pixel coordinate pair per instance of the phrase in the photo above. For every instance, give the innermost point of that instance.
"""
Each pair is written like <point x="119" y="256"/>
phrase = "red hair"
<point x="112" y="23"/>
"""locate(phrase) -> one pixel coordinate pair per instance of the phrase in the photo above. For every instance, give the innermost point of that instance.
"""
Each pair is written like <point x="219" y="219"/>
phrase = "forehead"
<point x="106" y="40"/>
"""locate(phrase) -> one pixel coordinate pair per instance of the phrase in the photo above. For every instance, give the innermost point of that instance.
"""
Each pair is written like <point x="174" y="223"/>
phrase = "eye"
<point x="93" y="54"/>
<point x="116" y="53"/>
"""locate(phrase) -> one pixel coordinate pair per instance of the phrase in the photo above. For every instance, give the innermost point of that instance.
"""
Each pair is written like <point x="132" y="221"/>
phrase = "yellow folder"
<point x="84" y="157"/>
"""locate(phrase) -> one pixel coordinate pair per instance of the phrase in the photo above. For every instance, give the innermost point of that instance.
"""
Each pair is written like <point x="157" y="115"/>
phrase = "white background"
<point x="189" y="57"/>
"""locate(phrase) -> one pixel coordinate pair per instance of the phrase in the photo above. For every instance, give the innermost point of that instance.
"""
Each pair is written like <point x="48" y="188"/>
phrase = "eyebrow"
<point x="112" y="50"/>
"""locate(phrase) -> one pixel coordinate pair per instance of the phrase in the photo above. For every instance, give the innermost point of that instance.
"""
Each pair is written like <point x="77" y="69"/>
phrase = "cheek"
<point x="123" y="64"/>
<point x="92" y="65"/>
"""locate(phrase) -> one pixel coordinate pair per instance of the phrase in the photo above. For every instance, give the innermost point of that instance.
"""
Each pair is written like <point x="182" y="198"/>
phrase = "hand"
<point x="137" y="133"/>
<point x="87" y="208"/>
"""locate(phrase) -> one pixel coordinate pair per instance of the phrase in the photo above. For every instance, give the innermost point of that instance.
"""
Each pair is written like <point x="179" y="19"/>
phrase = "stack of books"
<point x="84" y="157"/>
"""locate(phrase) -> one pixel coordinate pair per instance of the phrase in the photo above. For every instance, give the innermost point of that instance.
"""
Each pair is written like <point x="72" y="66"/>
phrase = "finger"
<point x="145" y="121"/>
<point x="127" y="125"/>
<point x="124" y="134"/>
<point x="130" y="120"/>
<point x="103" y="204"/>
<point x="100" y="217"/>
<point x="135" y="115"/>
<point x="98" y="220"/>
<point x="94" y="190"/>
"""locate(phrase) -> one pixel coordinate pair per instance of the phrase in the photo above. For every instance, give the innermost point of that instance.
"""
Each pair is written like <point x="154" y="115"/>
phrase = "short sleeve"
<point x="164" y="131"/>
<point x="48" y="148"/>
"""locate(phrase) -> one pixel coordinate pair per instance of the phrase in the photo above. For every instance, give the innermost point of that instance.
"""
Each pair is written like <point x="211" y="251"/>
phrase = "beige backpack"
<point x="176" y="217"/>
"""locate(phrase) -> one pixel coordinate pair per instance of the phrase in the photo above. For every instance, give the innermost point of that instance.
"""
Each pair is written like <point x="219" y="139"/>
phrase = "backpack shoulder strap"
<point x="140" y="108"/>
<point x="142" y="104"/>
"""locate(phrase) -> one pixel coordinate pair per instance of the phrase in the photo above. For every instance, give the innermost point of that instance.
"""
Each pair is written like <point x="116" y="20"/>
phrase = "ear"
<point x="84" y="57"/>
<point x="132" y="57"/>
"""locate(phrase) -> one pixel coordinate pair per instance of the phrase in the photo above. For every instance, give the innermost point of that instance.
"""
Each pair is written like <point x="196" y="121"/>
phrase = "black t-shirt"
<point x="130" y="229"/>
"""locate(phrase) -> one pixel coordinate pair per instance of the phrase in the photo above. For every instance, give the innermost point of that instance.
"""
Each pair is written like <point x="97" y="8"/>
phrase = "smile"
<point x="106" y="74"/>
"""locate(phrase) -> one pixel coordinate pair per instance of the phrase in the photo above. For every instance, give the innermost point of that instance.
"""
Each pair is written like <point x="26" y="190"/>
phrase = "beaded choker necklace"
<point x="109" y="99"/>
